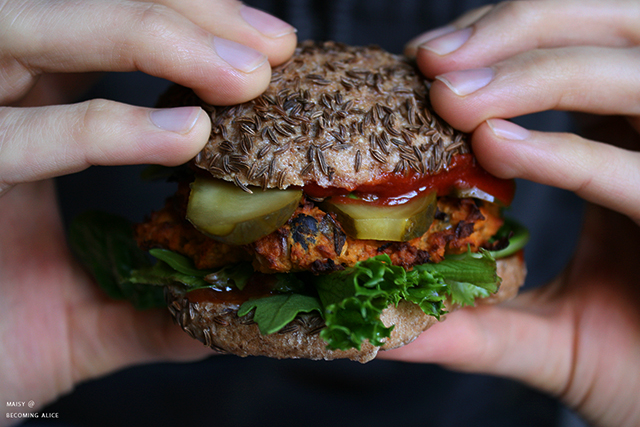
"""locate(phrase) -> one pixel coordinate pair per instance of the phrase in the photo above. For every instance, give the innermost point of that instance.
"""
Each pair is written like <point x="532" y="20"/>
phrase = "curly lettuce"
<point x="350" y="301"/>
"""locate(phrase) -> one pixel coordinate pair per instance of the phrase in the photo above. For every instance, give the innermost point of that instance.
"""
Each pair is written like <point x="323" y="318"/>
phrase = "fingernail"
<point x="179" y="120"/>
<point x="465" y="82"/>
<point x="239" y="56"/>
<point x="448" y="42"/>
<point x="413" y="44"/>
<point x="508" y="130"/>
<point x="265" y="23"/>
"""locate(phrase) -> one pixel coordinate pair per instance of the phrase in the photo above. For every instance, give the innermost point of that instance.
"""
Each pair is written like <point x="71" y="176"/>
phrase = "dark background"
<point x="231" y="391"/>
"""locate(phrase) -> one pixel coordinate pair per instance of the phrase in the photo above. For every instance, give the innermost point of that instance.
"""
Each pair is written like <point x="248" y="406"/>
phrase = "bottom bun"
<point x="218" y="326"/>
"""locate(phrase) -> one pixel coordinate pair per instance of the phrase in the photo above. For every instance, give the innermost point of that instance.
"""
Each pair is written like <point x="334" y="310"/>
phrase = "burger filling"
<point x="440" y="235"/>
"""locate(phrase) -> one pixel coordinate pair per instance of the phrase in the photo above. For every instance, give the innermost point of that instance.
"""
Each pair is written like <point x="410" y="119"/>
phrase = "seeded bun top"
<point x="335" y="115"/>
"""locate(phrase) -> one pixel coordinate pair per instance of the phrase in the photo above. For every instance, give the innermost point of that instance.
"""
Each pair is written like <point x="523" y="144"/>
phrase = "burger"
<point x="333" y="216"/>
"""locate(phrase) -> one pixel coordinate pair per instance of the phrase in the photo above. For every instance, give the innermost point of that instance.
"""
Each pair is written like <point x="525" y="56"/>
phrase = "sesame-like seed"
<point x="280" y="110"/>
<point x="271" y="168"/>
<point x="272" y="136"/>
<point x="246" y="144"/>
<point x="383" y="144"/>
<point x="288" y="128"/>
<point x="417" y="153"/>
<point x="372" y="141"/>
<point x="397" y="142"/>
<point x="251" y="173"/>
<point x="337" y="136"/>
<point x="400" y="166"/>
<point x="322" y="162"/>
<point x="226" y="146"/>
<point x="378" y="156"/>
<point x="305" y="170"/>
<point x="325" y="145"/>
<point x="347" y="83"/>
<point x="263" y="151"/>
<point x="282" y="149"/>
<point x="407" y="136"/>
<point x="281" y="178"/>
<point x="237" y="182"/>
<point x="225" y="164"/>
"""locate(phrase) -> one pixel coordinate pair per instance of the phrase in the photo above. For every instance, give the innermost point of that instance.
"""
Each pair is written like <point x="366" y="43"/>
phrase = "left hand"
<point x="577" y="338"/>
<point x="57" y="328"/>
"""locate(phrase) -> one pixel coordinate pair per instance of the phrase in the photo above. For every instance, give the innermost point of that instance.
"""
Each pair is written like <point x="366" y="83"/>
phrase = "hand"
<point x="577" y="338"/>
<point x="57" y="328"/>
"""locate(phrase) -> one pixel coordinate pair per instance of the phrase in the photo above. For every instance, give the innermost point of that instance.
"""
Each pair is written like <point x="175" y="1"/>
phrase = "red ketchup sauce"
<point x="463" y="172"/>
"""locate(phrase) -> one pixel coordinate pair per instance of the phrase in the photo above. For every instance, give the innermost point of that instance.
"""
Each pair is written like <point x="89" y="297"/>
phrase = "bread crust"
<point x="334" y="115"/>
<point x="218" y="326"/>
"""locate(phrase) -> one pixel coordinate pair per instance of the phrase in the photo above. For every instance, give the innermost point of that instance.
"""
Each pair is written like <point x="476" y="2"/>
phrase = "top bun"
<point x="334" y="115"/>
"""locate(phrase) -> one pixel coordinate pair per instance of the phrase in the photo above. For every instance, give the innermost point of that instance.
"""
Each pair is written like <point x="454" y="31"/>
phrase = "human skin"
<point x="57" y="328"/>
<point x="577" y="338"/>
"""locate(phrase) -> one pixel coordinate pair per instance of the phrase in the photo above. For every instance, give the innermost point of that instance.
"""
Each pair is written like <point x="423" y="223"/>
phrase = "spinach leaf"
<point x="274" y="312"/>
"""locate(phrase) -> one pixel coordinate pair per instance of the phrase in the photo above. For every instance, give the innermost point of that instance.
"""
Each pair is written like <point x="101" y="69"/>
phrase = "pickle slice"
<point x="397" y="223"/>
<point x="226" y="213"/>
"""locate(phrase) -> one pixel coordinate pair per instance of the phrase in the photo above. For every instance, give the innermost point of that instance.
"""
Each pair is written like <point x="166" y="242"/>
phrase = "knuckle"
<point x="518" y="12"/>
<point x="90" y="120"/>
<point x="159" y="33"/>
<point x="163" y="25"/>
<point x="155" y="19"/>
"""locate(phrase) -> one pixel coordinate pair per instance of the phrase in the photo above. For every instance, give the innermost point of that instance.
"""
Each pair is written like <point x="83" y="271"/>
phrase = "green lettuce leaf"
<point x="274" y="312"/>
<point x="350" y="301"/>
<point x="104" y="243"/>
<point x="468" y="276"/>
<point x="353" y="299"/>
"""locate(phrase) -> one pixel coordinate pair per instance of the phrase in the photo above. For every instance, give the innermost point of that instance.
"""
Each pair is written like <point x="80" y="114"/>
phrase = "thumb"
<point x="44" y="142"/>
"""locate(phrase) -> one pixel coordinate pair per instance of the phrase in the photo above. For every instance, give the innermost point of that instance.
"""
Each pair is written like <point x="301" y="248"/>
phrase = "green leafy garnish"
<point x="354" y="299"/>
<point x="516" y="233"/>
<point x="105" y="245"/>
<point x="350" y="301"/>
<point x="274" y="312"/>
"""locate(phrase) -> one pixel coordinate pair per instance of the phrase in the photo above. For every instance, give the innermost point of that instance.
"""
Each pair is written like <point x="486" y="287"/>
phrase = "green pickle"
<point x="398" y="223"/>
<point x="225" y="212"/>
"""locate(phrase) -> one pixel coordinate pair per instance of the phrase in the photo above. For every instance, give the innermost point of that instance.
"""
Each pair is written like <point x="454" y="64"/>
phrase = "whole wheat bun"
<point x="335" y="115"/>
<point x="218" y="326"/>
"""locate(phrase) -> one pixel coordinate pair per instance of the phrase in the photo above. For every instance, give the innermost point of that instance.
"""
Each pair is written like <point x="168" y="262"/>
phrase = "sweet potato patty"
<point x="313" y="240"/>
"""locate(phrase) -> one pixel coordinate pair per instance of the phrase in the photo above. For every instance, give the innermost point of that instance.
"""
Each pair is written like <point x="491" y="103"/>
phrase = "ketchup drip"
<point x="463" y="172"/>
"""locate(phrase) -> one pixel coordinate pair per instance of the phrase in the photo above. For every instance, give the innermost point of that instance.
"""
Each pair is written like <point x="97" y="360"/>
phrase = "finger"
<point x="463" y="21"/>
<point x="514" y="27"/>
<point x="498" y="341"/>
<point x="587" y="79"/>
<point x="127" y="36"/>
<point x="114" y="335"/>
<point x="600" y="173"/>
<point x="43" y="142"/>
<point x="243" y="24"/>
